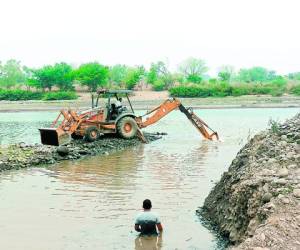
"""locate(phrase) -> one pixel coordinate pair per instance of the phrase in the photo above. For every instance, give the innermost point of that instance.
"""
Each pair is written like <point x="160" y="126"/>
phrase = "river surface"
<point x="92" y="203"/>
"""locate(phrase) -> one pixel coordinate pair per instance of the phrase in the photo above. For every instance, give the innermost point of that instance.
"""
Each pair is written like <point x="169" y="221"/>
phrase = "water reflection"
<point x="148" y="243"/>
<point x="101" y="171"/>
<point x="172" y="169"/>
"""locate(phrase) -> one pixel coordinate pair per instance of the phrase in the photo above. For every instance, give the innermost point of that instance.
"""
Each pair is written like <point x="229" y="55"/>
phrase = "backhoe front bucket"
<point x="54" y="137"/>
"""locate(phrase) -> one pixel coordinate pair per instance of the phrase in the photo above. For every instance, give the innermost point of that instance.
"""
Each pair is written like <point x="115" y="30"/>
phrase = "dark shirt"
<point x="147" y="221"/>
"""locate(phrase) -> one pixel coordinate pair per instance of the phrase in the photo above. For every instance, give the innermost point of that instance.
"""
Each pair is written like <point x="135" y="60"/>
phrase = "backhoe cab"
<point x="114" y="106"/>
<point x="113" y="118"/>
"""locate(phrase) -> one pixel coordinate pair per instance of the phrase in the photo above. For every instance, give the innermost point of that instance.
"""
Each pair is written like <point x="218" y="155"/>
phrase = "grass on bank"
<point x="24" y="95"/>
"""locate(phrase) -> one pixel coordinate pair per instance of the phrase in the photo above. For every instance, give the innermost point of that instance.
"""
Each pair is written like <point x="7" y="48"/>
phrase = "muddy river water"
<point x="91" y="203"/>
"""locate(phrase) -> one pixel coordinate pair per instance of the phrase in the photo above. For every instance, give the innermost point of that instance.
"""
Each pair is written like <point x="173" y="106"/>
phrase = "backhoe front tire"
<point x="91" y="134"/>
<point x="127" y="127"/>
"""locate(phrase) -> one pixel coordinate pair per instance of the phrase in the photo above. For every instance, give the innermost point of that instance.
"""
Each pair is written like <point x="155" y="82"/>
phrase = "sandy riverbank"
<point x="146" y="100"/>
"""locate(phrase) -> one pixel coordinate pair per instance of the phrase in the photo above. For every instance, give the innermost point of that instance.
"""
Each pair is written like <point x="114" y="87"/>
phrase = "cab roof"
<point x="114" y="91"/>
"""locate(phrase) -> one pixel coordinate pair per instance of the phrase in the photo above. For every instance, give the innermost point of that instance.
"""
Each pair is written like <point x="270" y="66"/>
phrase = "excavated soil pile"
<point x="21" y="155"/>
<point x="256" y="204"/>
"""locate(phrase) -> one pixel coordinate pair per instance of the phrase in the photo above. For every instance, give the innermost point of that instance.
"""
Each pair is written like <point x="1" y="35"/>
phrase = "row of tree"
<point x="93" y="75"/>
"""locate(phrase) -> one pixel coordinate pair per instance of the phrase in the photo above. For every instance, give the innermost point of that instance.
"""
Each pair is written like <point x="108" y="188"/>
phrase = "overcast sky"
<point x="242" y="33"/>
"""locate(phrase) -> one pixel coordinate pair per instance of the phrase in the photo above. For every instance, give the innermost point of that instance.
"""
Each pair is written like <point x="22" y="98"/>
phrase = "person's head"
<point x="147" y="204"/>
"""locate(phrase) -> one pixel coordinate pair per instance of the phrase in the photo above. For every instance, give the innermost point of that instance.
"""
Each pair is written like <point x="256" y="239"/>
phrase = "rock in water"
<point x="62" y="150"/>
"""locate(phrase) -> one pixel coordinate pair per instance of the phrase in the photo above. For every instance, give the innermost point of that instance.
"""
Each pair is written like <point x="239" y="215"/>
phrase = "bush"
<point x="216" y="90"/>
<point x="243" y="89"/>
<point x="23" y="95"/>
<point x="279" y="81"/>
<point x="274" y="125"/>
<point x="194" y="79"/>
<point x="277" y="92"/>
<point x="295" y="90"/>
<point x="17" y="94"/>
<point x="259" y="89"/>
<point x="224" y="89"/>
<point x="251" y="89"/>
<point x="159" y="85"/>
<point x="62" y="95"/>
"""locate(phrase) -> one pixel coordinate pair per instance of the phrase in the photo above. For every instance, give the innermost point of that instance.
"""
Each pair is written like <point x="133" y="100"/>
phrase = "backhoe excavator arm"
<point x="159" y="112"/>
<point x="169" y="105"/>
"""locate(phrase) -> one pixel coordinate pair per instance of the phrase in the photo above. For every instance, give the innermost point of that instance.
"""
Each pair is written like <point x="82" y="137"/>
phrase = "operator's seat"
<point x="114" y="112"/>
<point x="105" y="113"/>
<point x="110" y="112"/>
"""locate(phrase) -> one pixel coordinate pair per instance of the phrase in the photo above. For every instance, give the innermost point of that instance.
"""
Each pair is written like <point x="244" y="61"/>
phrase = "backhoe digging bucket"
<point x="214" y="134"/>
<point x="54" y="136"/>
<point x="198" y="123"/>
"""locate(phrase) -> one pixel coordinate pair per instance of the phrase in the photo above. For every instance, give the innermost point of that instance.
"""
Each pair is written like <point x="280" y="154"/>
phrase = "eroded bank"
<point x="257" y="201"/>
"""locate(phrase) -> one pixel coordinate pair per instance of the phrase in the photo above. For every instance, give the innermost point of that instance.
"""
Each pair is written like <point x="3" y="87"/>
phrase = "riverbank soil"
<point x="22" y="155"/>
<point x="146" y="100"/>
<point x="256" y="204"/>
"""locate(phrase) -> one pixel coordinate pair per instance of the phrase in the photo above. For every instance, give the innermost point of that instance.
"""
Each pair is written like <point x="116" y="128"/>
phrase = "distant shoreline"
<point x="146" y="100"/>
<point x="145" y="108"/>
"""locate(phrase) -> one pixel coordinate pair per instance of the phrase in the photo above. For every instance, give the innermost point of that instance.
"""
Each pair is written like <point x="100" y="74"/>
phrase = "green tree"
<point x="258" y="74"/>
<point x="62" y="75"/>
<point x="1" y="74"/>
<point x="272" y="75"/>
<point x="29" y="78"/>
<point x="193" y="69"/>
<point x="194" y="78"/>
<point x="159" y="76"/>
<point x="244" y="75"/>
<point x="225" y="73"/>
<point x="157" y="70"/>
<point x="118" y="73"/>
<point x="11" y="73"/>
<point x="294" y="76"/>
<point x="152" y="75"/>
<point x="159" y="85"/>
<point x="42" y="78"/>
<point x="177" y="77"/>
<point x="254" y="74"/>
<point x="133" y="76"/>
<point x="92" y="75"/>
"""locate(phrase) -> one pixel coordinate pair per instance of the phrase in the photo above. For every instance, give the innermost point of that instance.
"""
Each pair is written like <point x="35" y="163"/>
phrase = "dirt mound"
<point x="256" y="204"/>
<point x="22" y="155"/>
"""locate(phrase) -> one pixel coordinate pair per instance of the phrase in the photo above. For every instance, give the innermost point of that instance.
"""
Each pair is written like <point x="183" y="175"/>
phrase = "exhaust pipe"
<point x="54" y="136"/>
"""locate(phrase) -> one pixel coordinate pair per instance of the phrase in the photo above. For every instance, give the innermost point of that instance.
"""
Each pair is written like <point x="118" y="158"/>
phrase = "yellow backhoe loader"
<point x="114" y="118"/>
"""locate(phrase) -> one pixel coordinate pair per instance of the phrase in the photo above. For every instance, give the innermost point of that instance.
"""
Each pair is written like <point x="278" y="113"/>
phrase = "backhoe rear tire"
<point x="127" y="127"/>
<point x="91" y="134"/>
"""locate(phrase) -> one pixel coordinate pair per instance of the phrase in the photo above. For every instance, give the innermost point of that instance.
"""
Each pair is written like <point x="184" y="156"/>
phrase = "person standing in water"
<point x="147" y="222"/>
